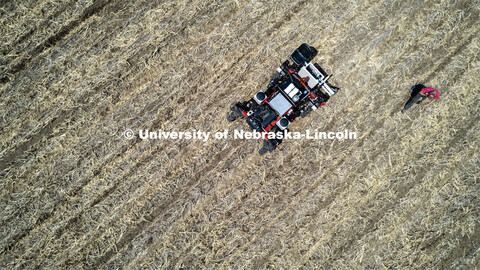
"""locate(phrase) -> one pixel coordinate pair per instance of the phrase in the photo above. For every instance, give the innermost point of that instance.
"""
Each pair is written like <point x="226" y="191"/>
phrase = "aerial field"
<point x="77" y="194"/>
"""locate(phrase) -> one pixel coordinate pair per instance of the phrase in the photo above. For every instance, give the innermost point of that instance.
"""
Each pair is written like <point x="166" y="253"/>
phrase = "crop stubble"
<point x="108" y="202"/>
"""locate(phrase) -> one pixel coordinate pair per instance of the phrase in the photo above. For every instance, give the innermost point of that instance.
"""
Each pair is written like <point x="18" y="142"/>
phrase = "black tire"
<point x="263" y="151"/>
<point x="232" y="117"/>
<point x="267" y="147"/>
<point x="235" y="113"/>
<point x="304" y="113"/>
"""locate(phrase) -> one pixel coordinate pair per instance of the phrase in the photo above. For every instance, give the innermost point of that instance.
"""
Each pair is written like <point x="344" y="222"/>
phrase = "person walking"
<point x="418" y="93"/>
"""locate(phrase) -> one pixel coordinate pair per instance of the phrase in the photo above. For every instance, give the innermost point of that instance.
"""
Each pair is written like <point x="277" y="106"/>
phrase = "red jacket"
<point x="428" y="90"/>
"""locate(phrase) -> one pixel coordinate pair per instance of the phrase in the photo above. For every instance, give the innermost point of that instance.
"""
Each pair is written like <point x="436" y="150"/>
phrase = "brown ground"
<point x="76" y="194"/>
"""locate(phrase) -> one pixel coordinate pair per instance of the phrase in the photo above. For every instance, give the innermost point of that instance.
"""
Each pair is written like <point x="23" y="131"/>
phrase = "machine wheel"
<point x="262" y="151"/>
<point x="267" y="147"/>
<point x="305" y="112"/>
<point x="235" y="113"/>
<point x="232" y="117"/>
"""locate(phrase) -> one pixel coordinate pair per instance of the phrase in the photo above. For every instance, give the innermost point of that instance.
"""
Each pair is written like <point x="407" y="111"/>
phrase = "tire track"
<point x="56" y="120"/>
<point x="468" y="249"/>
<point x="212" y="198"/>
<point x="131" y="171"/>
<point x="50" y="127"/>
<point x="302" y="194"/>
<point x="227" y="161"/>
<point x="464" y="44"/>
<point x="96" y="7"/>
<point x="401" y="193"/>
<point x="130" y="235"/>
<point x="141" y="52"/>
<point x="45" y="132"/>
<point x="92" y="50"/>
<point x="138" y="166"/>
<point x="29" y="33"/>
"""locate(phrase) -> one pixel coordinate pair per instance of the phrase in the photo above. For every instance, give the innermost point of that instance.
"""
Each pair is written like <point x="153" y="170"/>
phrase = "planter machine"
<point x="295" y="90"/>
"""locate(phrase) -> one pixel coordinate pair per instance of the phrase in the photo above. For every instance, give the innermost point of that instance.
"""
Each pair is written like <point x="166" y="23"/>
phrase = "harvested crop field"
<point x="75" y="193"/>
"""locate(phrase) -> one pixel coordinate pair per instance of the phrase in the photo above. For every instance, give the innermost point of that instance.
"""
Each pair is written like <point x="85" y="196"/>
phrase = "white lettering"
<point x="143" y="135"/>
